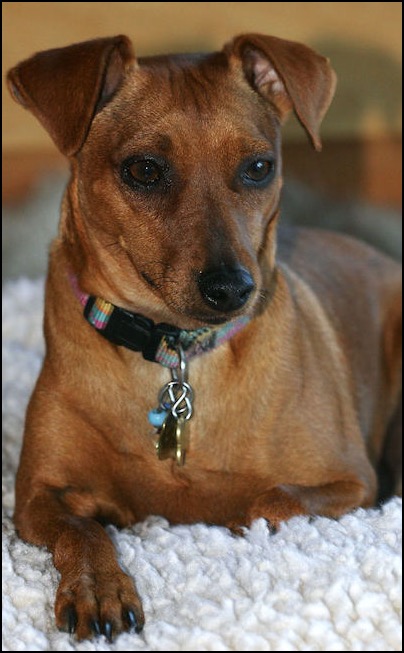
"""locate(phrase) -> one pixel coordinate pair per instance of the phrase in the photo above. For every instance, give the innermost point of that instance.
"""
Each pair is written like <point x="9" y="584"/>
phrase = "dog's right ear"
<point x="65" y="87"/>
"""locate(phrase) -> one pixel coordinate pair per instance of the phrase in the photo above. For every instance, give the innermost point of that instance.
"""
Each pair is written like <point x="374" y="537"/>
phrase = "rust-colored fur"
<point x="291" y="414"/>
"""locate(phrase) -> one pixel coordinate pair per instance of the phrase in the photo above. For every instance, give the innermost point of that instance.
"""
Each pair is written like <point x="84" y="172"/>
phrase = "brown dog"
<point x="284" y="351"/>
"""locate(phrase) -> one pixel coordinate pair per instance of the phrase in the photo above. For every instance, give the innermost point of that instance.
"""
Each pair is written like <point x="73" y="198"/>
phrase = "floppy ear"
<point x="290" y="75"/>
<point x="65" y="87"/>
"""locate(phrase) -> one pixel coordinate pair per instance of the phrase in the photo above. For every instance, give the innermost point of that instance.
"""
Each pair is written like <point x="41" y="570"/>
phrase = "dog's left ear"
<point x="290" y="75"/>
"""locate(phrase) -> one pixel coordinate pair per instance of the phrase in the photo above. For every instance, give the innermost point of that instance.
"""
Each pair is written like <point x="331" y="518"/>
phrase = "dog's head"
<point x="176" y="166"/>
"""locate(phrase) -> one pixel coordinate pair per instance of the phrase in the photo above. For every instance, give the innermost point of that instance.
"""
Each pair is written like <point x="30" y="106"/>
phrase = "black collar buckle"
<point x="135" y="331"/>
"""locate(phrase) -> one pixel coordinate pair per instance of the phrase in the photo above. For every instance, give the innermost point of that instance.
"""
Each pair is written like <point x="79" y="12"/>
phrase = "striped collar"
<point x="156" y="342"/>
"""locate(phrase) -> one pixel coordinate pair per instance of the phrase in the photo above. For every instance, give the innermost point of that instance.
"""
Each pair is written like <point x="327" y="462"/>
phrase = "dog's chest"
<point x="226" y="413"/>
<point x="222" y="458"/>
<point x="228" y="463"/>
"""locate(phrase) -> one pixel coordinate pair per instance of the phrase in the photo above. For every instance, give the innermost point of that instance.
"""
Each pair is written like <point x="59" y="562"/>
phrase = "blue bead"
<point x="157" y="417"/>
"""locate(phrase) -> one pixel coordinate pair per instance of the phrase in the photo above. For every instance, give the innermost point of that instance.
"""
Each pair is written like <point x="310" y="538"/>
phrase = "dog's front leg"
<point x="94" y="596"/>
<point x="331" y="500"/>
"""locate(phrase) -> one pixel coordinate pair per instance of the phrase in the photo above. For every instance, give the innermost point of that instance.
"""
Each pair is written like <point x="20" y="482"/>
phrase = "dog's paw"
<point x="92" y="603"/>
<point x="276" y="506"/>
<point x="236" y="529"/>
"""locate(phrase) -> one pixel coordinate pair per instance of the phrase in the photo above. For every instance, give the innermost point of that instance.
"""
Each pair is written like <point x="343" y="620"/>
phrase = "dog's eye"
<point x="258" y="172"/>
<point x="143" y="173"/>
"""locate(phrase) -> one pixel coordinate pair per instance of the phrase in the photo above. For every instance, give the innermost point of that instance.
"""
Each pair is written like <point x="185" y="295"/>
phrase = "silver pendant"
<point x="174" y="411"/>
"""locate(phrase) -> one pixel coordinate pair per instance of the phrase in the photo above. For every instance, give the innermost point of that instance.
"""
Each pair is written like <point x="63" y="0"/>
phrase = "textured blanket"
<point x="319" y="585"/>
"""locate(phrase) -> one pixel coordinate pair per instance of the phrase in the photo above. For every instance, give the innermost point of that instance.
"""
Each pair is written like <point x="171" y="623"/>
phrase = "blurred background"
<point x="354" y="185"/>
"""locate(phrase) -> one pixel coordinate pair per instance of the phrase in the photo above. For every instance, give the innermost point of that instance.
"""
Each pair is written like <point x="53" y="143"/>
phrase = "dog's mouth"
<point x="212" y="320"/>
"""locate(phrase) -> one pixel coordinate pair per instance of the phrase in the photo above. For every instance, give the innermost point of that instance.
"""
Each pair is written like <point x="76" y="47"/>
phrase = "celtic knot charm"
<point x="173" y="413"/>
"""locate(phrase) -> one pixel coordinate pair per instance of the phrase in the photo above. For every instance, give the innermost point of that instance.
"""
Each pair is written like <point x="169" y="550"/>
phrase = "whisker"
<point x="114" y="244"/>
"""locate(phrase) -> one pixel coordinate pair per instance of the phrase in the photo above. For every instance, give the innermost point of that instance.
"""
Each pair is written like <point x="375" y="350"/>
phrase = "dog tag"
<point x="172" y="442"/>
<point x="182" y="440"/>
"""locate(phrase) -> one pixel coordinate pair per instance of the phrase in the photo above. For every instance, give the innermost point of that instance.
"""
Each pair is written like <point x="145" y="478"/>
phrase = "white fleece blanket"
<point x="314" y="586"/>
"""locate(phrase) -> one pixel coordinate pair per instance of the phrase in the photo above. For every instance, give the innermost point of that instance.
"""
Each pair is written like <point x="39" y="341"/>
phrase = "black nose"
<point x="226" y="289"/>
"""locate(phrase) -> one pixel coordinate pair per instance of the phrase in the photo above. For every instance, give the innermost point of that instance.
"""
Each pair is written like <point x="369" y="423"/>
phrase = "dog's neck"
<point x="157" y="342"/>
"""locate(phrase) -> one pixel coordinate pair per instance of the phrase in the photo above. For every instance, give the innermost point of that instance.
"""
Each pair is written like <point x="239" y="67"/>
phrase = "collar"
<point x="156" y="342"/>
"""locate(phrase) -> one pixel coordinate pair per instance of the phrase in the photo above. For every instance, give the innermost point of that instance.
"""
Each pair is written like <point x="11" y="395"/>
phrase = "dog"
<point x="202" y="363"/>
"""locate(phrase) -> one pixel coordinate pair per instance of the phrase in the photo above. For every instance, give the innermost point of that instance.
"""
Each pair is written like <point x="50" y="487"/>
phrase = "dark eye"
<point x="258" y="173"/>
<point x="144" y="173"/>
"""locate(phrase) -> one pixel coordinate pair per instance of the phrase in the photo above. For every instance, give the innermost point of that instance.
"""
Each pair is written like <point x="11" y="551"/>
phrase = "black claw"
<point x="108" y="630"/>
<point x="71" y="617"/>
<point x="132" y="621"/>
<point x="95" y="627"/>
<point x="272" y="529"/>
<point x="131" y="618"/>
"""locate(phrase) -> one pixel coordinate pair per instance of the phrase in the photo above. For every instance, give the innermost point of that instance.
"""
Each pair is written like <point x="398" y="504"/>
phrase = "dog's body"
<point x="291" y="413"/>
